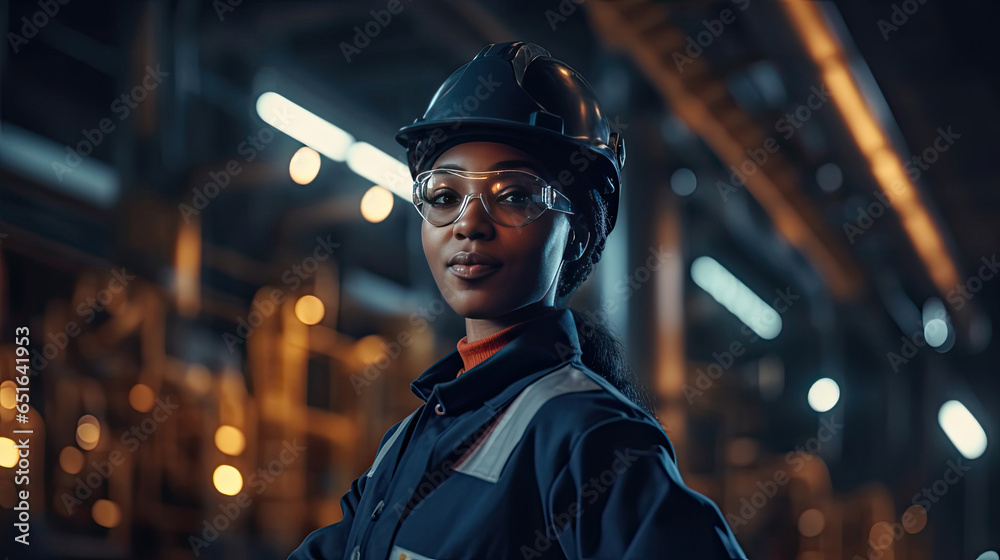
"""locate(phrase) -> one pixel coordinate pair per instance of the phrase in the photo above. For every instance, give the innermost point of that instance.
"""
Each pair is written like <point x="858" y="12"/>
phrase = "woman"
<point x="534" y="439"/>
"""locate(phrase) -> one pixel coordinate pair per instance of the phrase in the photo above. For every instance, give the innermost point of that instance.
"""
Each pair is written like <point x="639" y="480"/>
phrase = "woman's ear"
<point x="578" y="239"/>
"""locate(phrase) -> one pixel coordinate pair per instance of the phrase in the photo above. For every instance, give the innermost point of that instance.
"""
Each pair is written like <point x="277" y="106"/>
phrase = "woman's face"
<point x="528" y="258"/>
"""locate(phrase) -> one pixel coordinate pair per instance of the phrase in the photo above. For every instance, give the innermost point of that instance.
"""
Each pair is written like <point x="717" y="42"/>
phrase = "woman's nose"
<point x="475" y="221"/>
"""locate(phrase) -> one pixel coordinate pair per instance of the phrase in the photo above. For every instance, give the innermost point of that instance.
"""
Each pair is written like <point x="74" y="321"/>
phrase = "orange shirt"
<point x="477" y="351"/>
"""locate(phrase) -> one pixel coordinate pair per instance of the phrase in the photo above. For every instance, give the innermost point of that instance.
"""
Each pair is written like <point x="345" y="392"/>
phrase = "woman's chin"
<point x="477" y="308"/>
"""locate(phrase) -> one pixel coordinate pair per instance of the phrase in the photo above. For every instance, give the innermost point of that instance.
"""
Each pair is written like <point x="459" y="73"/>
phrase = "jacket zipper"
<point x="371" y="521"/>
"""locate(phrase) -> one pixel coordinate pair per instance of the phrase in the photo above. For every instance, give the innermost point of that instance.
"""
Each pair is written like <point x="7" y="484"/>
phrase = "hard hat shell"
<point x="517" y="94"/>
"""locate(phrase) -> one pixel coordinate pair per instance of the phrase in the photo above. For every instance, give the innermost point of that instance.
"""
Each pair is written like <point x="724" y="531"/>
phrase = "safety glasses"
<point x="512" y="197"/>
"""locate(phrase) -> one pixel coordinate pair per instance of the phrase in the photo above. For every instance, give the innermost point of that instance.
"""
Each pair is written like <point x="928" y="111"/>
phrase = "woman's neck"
<point x="477" y="329"/>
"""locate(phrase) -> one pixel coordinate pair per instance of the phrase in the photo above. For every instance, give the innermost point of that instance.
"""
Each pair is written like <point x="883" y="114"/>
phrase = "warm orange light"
<point x="8" y="394"/>
<point x="106" y="513"/>
<point x="8" y="453"/>
<point x="853" y="108"/>
<point x="88" y="432"/>
<point x="187" y="267"/>
<point x="369" y="349"/>
<point x="818" y="41"/>
<point x="71" y="459"/>
<point x="886" y="165"/>
<point x="376" y="204"/>
<point x="811" y="522"/>
<point x="199" y="378"/>
<point x="887" y="168"/>
<point x="141" y="397"/>
<point x="880" y="537"/>
<point x="309" y="309"/>
<point x="227" y="480"/>
<point x="914" y="519"/>
<point x="230" y="440"/>
<point x="304" y="166"/>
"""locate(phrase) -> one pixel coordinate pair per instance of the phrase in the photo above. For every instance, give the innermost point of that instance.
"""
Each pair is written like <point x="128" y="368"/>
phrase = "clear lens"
<point x="512" y="198"/>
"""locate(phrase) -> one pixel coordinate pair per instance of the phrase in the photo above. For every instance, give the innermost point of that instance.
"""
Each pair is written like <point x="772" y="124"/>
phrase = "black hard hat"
<point x="516" y="93"/>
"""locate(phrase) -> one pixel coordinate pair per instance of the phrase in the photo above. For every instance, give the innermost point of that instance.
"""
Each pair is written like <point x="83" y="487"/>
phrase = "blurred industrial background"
<point x="205" y="227"/>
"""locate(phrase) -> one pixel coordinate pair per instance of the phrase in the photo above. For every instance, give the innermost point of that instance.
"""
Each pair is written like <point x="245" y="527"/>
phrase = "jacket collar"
<point x="546" y="342"/>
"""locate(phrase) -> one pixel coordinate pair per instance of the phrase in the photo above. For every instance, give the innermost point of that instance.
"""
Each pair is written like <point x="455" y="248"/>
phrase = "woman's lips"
<point x="472" y="271"/>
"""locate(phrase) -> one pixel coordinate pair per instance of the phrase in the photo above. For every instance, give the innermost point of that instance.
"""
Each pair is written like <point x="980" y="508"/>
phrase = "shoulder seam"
<point x="384" y="448"/>
<point x="488" y="459"/>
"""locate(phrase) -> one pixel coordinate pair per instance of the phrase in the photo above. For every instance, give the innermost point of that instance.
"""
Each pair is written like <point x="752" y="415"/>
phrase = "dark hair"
<point x="603" y="352"/>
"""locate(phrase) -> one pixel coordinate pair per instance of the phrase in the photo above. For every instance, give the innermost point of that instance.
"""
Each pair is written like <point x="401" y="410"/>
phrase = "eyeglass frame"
<point x="549" y="195"/>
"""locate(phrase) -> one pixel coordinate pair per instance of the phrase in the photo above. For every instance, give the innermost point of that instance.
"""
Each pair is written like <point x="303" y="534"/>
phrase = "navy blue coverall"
<point x="527" y="455"/>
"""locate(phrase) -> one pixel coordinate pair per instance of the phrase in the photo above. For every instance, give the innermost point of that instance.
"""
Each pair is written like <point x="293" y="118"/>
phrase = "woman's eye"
<point x="443" y="198"/>
<point x="514" y="197"/>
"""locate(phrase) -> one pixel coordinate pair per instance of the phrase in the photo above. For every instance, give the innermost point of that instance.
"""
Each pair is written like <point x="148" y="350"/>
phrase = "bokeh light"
<point x="376" y="204"/>
<point x="71" y="459"/>
<point x="829" y="176"/>
<point x="106" y="513"/>
<point x="309" y="309"/>
<point x="8" y="394"/>
<point x="88" y="432"/>
<point x="936" y="332"/>
<point x="227" y="480"/>
<point x="915" y="519"/>
<point x="141" y="397"/>
<point x="880" y="536"/>
<point x="8" y="452"/>
<point x="304" y="166"/>
<point x="230" y="440"/>
<point x="199" y="378"/>
<point x="962" y="428"/>
<point x="811" y="522"/>
<point x="368" y="349"/>
<point x="683" y="181"/>
<point x="824" y="394"/>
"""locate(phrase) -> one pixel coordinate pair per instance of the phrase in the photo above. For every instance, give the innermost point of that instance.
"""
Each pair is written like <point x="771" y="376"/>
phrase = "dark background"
<point x="696" y="88"/>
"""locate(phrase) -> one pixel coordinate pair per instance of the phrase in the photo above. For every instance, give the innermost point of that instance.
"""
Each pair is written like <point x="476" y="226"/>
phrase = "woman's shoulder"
<point x="577" y="389"/>
<point x="577" y="402"/>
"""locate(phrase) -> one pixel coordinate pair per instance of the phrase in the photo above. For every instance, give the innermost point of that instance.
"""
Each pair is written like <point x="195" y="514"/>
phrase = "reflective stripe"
<point x="392" y="439"/>
<point x="400" y="553"/>
<point x="727" y="542"/>
<point x="488" y="459"/>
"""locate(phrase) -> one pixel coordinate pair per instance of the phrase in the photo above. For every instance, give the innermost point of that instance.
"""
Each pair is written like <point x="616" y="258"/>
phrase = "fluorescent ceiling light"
<point x="380" y="168"/>
<point x="736" y="297"/>
<point x="36" y="157"/>
<point x="335" y="143"/>
<point x="302" y="125"/>
<point x="962" y="429"/>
